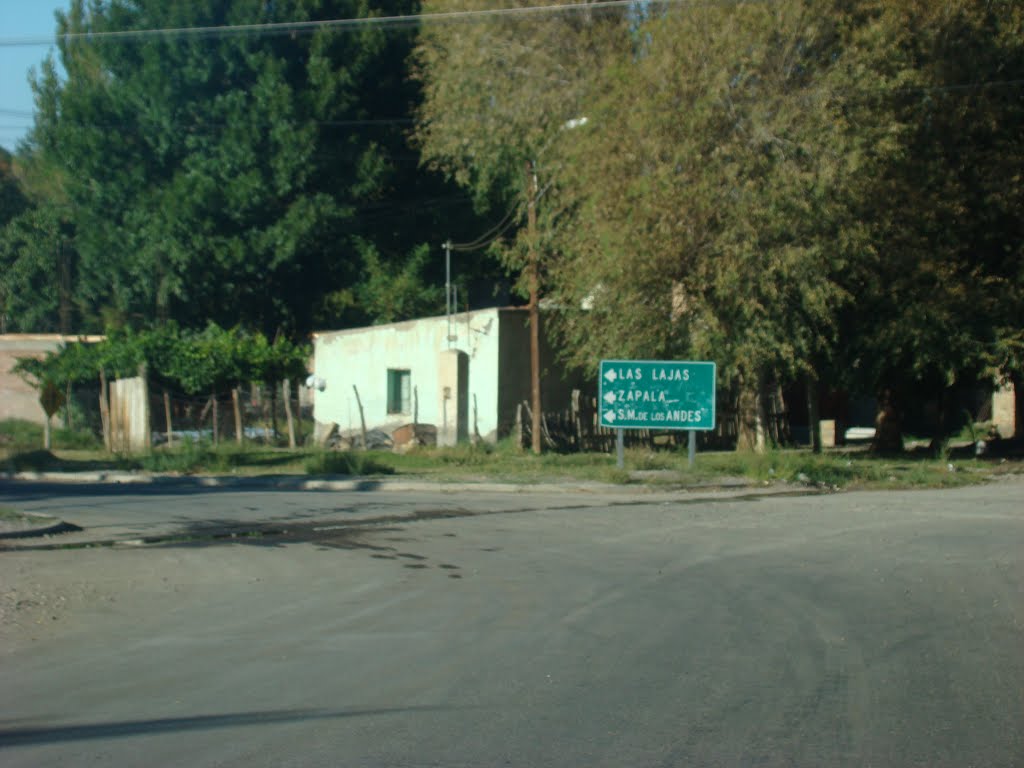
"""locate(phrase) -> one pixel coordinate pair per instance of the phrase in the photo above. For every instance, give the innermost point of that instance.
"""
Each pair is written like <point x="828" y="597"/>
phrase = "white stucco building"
<point x="464" y="376"/>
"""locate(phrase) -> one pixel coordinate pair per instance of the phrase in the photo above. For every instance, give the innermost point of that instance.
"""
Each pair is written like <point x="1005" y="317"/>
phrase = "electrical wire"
<point x="490" y="235"/>
<point x="311" y="26"/>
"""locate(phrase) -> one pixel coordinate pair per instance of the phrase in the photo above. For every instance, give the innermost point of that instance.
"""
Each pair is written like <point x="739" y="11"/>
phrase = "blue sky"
<point x="21" y="19"/>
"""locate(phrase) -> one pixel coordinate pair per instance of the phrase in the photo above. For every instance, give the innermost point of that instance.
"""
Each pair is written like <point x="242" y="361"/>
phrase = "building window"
<point x="399" y="400"/>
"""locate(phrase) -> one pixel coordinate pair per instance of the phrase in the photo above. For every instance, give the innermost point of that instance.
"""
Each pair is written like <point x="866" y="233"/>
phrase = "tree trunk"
<point x="943" y="419"/>
<point x="105" y="409"/>
<point x="167" y="418"/>
<point x="237" y="408"/>
<point x="68" y="420"/>
<point x="273" y="412"/>
<point x="750" y="413"/>
<point x="216" y="419"/>
<point x="147" y="418"/>
<point x="1018" y="406"/>
<point x="813" y="413"/>
<point x="888" y="425"/>
<point x="286" y="391"/>
<point x="362" y="418"/>
<point x="47" y="435"/>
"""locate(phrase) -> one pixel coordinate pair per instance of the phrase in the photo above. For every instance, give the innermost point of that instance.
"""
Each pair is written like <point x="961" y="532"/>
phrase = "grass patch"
<point x="349" y="463"/>
<point x="844" y="470"/>
<point x="6" y="513"/>
<point x="191" y="457"/>
<point x="505" y="463"/>
<point x="19" y="435"/>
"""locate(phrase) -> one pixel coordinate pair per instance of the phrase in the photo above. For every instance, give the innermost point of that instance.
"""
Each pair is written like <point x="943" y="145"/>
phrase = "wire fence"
<point x="577" y="428"/>
<point x="251" y="414"/>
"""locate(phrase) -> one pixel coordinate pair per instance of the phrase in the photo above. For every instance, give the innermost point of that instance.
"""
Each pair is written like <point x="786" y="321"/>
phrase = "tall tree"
<point x="37" y="256"/>
<point x="703" y="199"/>
<point x="37" y="272"/>
<point x="12" y="197"/>
<point x="500" y="88"/>
<point x="935" y="101"/>
<point x="232" y="176"/>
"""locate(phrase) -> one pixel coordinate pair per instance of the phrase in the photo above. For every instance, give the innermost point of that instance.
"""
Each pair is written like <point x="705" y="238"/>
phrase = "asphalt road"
<point x="860" y="629"/>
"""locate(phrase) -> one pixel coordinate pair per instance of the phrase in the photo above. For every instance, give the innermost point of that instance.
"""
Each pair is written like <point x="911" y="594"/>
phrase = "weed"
<point x="6" y="513"/>
<point x="185" y="458"/>
<point x="21" y="435"/>
<point x="347" y="463"/>
<point x="650" y="461"/>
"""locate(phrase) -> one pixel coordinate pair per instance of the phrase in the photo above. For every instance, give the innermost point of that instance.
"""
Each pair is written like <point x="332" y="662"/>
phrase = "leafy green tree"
<point x="37" y="271"/>
<point x="12" y="197"/>
<point x="391" y="295"/>
<point x="499" y="92"/>
<point x="941" y="290"/>
<point x="702" y="195"/>
<point x="233" y="178"/>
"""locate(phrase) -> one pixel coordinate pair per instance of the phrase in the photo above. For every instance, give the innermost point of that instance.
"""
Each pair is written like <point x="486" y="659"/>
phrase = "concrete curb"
<point x="31" y="525"/>
<point x="348" y="483"/>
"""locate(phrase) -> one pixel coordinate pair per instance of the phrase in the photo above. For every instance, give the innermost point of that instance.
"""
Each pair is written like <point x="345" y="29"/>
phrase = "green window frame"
<point x="399" y="390"/>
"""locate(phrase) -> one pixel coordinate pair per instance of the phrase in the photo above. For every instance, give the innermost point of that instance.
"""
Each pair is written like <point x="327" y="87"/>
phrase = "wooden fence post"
<point x="286" y="391"/>
<point x="362" y="418"/>
<point x="105" y="409"/>
<point x="236" y="406"/>
<point x="167" y="418"/>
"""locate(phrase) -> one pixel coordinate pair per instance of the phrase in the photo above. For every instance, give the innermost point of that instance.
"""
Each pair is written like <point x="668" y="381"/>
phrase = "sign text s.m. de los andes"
<point x="657" y="394"/>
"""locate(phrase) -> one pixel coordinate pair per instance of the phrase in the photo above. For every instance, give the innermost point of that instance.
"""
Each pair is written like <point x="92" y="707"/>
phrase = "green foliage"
<point x="36" y="270"/>
<point x="390" y="295"/>
<point x="500" y="92"/>
<point x="794" y="188"/>
<point x="939" y="189"/>
<point x="189" y="457"/>
<point x="231" y="178"/>
<point x="12" y="196"/>
<point x="196" y="363"/>
<point x="19" y="435"/>
<point x="712" y="236"/>
<point x="347" y="463"/>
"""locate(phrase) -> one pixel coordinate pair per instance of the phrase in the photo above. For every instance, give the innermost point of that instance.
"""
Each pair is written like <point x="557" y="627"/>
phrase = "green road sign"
<point x="657" y="394"/>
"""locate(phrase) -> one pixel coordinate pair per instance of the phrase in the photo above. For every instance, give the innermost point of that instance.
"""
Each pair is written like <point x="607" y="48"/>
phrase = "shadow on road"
<point x="23" y="736"/>
<point x="29" y="490"/>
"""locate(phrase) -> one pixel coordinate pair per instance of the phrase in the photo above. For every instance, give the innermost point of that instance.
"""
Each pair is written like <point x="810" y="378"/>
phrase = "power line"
<point x="491" y="235"/>
<point x="311" y="26"/>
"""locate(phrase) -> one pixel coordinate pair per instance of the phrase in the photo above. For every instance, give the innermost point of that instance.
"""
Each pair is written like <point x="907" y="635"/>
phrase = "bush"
<point x="186" y="458"/>
<point x="346" y="463"/>
<point x="22" y="435"/>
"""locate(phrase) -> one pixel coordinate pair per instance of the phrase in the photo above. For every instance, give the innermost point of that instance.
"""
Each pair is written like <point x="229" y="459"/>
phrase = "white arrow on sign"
<point x="609" y="398"/>
<point x="609" y="416"/>
<point x="610" y="375"/>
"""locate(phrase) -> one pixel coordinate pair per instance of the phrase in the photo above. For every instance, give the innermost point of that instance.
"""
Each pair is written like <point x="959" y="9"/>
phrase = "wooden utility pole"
<point x="534" y="310"/>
